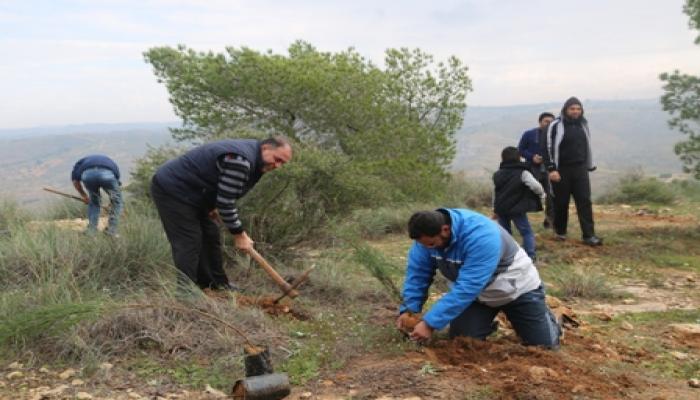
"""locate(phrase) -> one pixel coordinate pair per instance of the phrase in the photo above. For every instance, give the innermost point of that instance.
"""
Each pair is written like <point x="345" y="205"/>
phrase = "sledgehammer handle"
<point x="286" y="287"/>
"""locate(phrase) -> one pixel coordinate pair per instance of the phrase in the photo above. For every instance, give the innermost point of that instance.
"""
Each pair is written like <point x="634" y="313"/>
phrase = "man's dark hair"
<point x="277" y="141"/>
<point x="545" y="115"/>
<point x="425" y="223"/>
<point x="510" y="154"/>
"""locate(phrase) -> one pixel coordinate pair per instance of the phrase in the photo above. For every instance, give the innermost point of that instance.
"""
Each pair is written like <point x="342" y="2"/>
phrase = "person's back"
<point x="97" y="172"/>
<point x="516" y="192"/>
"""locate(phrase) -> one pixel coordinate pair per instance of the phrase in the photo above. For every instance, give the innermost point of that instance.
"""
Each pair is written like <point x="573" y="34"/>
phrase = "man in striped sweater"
<point x="194" y="190"/>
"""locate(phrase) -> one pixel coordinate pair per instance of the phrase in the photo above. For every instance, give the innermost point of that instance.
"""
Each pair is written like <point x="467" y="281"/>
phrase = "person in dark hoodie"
<point x="569" y="159"/>
<point x="516" y="192"/>
<point x="194" y="191"/>
<point x="97" y="172"/>
<point x="532" y="148"/>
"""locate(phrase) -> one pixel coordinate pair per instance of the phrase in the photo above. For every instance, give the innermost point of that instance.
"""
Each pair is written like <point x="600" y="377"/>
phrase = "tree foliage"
<point x="682" y="100"/>
<point x="396" y="123"/>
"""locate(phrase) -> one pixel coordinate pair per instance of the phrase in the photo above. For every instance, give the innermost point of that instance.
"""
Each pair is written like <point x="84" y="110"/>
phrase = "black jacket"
<point x="511" y="195"/>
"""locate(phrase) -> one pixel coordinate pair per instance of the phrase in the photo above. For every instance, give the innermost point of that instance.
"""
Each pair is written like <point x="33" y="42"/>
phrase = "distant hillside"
<point x="625" y="135"/>
<point x="29" y="163"/>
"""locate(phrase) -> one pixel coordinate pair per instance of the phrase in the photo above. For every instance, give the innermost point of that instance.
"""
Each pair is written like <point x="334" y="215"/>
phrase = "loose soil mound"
<point x="268" y="305"/>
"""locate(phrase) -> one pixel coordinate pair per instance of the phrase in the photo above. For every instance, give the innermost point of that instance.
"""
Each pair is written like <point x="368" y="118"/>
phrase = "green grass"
<point x="570" y="282"/>
<point x="219" y="373"/>
<point x="644" y="338"/>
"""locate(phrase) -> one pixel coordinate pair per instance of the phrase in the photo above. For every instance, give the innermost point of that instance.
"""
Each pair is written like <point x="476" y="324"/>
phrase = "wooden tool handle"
<point x="284" y="285"/>
<point x="298" y="281"/>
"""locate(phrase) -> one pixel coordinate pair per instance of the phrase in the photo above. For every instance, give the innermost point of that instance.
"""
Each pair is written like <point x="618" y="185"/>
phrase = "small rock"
<point x="539" y="374"/>
<point x="328" y="383"/>
<point x="604" y="316"/>
<point x="686" y="329"/>
<point x="626" y="326"/>
<point x="214" y="392"/>
<point x="55" y="391"/>
<point x="306" y="395"/>
<point x="678" y="355"/>
<point x="67" y="374"/>
<point x="44" y="370"/>
<point x="14" y="375"/>
<point x="106" y="366"/>
<point x="628" y="301"/>
<point x="596" y="347"/>
<point x="15" y="365"/>
<point x="83" y="396"/>
<point x="135" y="396"/>
<point x="694" y="383"/>
<point x="690" y="278"/>
<point x="77" y="382"/>
<point x="578" y="389"/>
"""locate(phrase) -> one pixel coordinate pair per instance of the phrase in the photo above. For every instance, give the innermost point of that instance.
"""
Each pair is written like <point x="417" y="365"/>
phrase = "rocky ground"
<point x="642" y="343"/>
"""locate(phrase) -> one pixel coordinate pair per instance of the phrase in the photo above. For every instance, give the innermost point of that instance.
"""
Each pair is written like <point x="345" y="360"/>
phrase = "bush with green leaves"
<point x="635" y="188"/>
<point x="363" y="136"/>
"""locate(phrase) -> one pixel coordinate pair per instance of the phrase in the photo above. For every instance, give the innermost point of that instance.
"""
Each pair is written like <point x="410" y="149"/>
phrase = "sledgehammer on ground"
<point x="261" y="383"/>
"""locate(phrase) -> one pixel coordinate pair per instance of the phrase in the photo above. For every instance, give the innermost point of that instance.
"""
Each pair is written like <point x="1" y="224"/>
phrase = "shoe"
<point x="593" y="241"/>
<point x="559" y="237"/>
<point x="227" y="287"/>
<point x="546" y="224"/>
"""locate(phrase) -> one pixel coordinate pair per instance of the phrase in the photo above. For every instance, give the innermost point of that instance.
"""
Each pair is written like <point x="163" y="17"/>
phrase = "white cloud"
<point x="81" y="61"/>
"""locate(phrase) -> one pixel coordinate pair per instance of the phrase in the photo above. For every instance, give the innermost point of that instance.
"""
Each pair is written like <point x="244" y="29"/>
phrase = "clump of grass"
<point x="67" y="209"/>
<point x="379" y="267"/>
<point x="569" y="282"/>
<point x="635" y="188"/>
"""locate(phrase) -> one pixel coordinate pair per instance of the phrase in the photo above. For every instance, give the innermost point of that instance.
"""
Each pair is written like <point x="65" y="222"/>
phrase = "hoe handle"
<point x="284" y="285"/>
<point x="298" y="281"/>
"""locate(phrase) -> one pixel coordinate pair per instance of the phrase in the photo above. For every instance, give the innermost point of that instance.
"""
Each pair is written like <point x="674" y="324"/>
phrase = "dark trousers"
<point x="549" y="201"/>
<point x="542" y="177"/>
<point x="194" y="239"/>
<point x="574" y="181"/>
<point x="532" y="320"/>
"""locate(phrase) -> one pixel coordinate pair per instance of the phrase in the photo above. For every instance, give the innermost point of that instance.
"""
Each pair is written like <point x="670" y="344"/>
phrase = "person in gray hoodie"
<point x="569" y="160"/>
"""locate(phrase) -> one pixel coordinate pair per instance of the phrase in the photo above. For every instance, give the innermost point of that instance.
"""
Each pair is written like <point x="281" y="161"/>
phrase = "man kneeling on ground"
<point x="488" y="271"/>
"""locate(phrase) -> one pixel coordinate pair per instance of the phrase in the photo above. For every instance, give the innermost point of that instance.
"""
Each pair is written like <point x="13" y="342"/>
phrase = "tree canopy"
<point x="682" y="100"/>
<point x="397" y="122"/>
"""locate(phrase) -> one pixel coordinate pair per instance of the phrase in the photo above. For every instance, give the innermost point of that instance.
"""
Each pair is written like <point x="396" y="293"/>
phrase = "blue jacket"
<point x="95" y="160"/>
<point x="530" y="144"/>
<point x="475" y="251"/>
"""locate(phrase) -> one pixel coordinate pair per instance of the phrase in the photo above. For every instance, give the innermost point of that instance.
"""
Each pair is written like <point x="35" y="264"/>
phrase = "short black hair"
<point x="425" y="223"/>
<point x="545" y="115"/>
<point x="277" y="141"/>
<point x="510" y="154"/>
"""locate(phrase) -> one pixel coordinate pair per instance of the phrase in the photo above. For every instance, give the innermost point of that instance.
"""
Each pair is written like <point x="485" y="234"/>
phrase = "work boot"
<point x="593" y="241"/>
<point x="228" y="287"/>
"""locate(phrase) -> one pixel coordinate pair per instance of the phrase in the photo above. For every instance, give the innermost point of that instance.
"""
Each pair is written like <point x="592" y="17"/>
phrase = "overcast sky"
<point x="72" y="62"/>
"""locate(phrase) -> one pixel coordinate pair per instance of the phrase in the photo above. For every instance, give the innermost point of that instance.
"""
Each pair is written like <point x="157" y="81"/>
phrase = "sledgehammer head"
<point x="262" y="387"/>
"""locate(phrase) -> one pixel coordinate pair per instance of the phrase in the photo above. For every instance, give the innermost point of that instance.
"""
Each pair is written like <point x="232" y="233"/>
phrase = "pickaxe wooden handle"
<point x="284" y="285"/>
<point x="298" y="281"/>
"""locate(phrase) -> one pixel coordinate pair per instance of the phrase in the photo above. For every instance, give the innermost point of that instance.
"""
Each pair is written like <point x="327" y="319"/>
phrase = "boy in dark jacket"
<point x="516" y="192"/>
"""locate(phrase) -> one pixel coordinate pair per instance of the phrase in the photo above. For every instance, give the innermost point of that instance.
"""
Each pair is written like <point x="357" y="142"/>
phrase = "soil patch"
<point x="268" y="305"/>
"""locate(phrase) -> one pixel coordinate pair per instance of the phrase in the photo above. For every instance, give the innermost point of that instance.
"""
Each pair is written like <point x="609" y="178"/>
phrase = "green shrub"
<point x="569" y="282"/>
<point x="634" y="188"/>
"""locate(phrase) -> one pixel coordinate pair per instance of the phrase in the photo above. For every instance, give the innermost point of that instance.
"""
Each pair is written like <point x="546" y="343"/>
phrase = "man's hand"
<point x="554" y="176"/>
<point x="422" y="332"/>
<point x="85" y="198"/>
<point x="214" y="215"/>
<point x="243" y="242"/>
<point x="494" y="217"/>
<point x="537" y="159"/>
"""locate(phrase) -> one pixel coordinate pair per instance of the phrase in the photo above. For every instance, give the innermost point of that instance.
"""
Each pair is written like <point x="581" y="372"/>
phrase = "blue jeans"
<point x="93" y="179"/>
<point x="524" y="228"/>
<point x="532" y="320"/>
